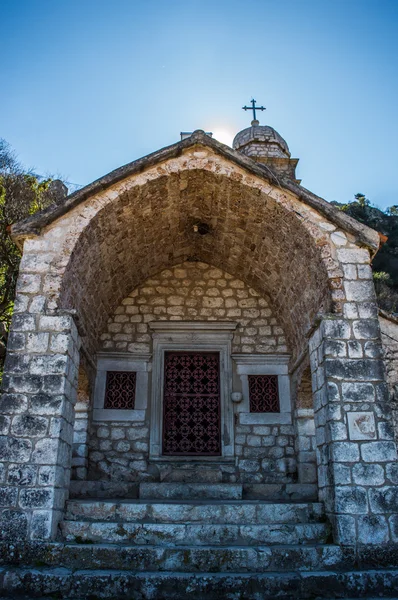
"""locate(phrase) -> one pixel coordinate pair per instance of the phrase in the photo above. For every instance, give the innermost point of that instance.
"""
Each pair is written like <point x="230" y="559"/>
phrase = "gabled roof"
<point x="364" y="235"/>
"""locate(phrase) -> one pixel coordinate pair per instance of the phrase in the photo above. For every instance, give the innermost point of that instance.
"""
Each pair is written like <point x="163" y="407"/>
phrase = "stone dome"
<point x="261" y="141"/>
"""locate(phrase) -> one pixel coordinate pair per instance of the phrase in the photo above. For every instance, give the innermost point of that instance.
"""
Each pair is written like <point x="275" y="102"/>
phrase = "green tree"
<point x="22" y="193"/>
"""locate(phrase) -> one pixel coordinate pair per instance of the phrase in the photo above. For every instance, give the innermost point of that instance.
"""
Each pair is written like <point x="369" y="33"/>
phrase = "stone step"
<point x="119" y="585"/>
<point x="273" y="492"/>
<point x="181" y="558"/>
<point x="281" y="492"/>
<point x="216" y="511"/>
<point x="191" y="491"/>
<point x="192" y="534"/>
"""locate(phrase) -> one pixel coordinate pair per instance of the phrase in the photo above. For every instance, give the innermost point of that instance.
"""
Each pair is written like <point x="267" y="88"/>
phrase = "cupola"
<point x="264" y="144"/>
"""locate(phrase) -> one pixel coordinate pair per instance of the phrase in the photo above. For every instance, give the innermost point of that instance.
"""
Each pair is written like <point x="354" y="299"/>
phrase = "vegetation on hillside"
<point x="22" y="193"/>
<point x="385" y="263"/>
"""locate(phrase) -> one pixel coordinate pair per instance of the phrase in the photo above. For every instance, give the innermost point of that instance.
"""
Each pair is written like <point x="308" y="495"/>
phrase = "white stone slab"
<point x="361" y="426"/>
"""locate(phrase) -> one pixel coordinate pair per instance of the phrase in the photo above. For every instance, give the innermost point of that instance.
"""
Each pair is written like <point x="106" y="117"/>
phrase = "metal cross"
<point x="253" y="107"/>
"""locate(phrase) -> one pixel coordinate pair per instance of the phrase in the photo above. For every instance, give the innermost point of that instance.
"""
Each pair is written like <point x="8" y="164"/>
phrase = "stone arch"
<point x="252" y="236"/>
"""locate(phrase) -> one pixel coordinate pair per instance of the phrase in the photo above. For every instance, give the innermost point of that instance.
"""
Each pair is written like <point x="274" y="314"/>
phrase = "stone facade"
<point x="198" y="203"/>
<point x="193" y="291"/>
<point x="389" y="338"/>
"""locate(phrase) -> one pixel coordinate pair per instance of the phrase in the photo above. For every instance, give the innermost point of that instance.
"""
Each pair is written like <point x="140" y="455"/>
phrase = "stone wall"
<point x="192" y="291"/>
<point x="119" y="452"/>
<point x="389" y="338"/>
<point x="195" y="291"/>
<point x="266" y="453"/>
<point x="357" y="468"/>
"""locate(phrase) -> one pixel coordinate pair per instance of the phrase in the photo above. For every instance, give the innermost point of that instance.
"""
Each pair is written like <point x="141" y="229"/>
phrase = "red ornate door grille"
<point x="263" y="393"/>
<point x="191" y="404"/>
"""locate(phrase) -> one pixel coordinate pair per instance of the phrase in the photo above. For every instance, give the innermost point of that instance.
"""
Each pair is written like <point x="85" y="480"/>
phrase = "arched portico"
<point x="315" y="274"/>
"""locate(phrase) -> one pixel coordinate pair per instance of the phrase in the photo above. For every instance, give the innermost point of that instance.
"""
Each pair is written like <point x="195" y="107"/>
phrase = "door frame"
<point x="192" y="336"/>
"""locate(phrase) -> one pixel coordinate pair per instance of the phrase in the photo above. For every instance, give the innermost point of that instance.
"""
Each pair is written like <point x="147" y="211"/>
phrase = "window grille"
<point x="263" y="393"/>
<point x="120" y="390"/>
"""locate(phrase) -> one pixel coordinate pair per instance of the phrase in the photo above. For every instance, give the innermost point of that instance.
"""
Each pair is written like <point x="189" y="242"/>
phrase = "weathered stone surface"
<point x="211" y="586"/>
<point x="171" y="534"/>
<point x="232" y="512"/>
<point x="190" y="490"/>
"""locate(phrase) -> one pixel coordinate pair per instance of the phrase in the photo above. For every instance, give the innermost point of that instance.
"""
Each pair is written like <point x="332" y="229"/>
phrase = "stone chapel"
<point x="195" y="395"/>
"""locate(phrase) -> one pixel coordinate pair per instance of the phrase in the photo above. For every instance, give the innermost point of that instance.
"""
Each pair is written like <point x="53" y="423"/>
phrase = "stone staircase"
<point x="177" y="541"/>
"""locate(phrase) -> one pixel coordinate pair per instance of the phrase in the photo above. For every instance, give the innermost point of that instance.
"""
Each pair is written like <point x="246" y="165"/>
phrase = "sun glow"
<point x="223" y="136"/>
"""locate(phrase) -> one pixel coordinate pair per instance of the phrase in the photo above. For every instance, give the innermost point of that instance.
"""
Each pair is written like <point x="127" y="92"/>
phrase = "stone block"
<point x="5" y="423"/>
<point x="342" y="474"/>
<point x="366" y="329"/>
<point x="29" y="426"/>
<point x="337" y="431"/>
<point x="14" y="525"/>
<point x="46" y="451"/>
<point x="368" y="310"/>
<point x="44" y="524"/>
<point x="336" y="329"/>
<point x="384" y="499"/>
<point x="44" y="404"/>
<point x="36" y="498"/>
<point x="344" y="451"/>
<point x="60" y="343"/>
<point x="375" y="452"/>
<point x="333" y="392"/>
<point x="55" y="323"/>
<point x="354" y="349"/>
<point x="392" y="472"/>
<point x="386" y="431"/>
<point x="17" y="363"/>
<point x="335" y="348"/>
<point x="368" y="474"/>
<point x="345" y="368"/>
<point x="15" y="450"/>
<point x="122" y="446"/>
<point x="345" y="530"/>
<point x="359" y="291"/>
<point x="8" y="496"/>
<point x="373" y="349"/>
<point x="13" y="403"/>
<point x="37" y="342"/>
<point x="351" y="255"/>
<point x="393" y="521"/>
<point x="49" y="364"/>
<point x="16" y="341"/>
<point x="307" y="473"/>
<point x="52" y="475"/>
<point x="253" y="440"/>
<point x="54" y="384"/>
<point x="351" y="500"/>
<point x="358" y="392"/>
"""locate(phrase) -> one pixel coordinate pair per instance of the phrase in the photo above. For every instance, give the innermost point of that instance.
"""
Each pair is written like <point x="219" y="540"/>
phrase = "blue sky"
<point x="89" y="85"/>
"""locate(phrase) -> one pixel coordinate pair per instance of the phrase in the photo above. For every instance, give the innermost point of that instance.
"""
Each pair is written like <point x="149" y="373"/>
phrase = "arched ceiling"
<point x="152" y="226"/>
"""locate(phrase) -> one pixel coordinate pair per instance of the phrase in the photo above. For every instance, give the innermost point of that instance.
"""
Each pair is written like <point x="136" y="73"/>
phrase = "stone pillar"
<point x="80" y="429"/>
<point x="37" y="414"/>
<point x="305" y="445"/>
<point x="356" y="451"/>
